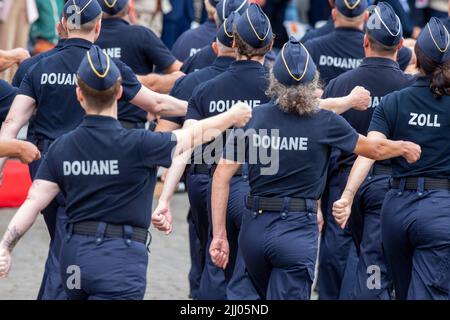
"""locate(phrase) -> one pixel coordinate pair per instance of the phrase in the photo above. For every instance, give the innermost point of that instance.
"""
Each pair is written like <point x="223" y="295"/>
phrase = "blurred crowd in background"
<point x="31" y="24"/>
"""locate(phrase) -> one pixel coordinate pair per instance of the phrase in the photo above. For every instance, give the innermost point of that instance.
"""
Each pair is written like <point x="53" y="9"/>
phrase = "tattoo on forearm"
<point x="12" y="236"/>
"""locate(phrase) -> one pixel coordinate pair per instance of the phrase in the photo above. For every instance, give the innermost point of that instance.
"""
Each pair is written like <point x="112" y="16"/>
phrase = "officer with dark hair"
<point x="279" y="232"/>
<point x="380" y="74"/>
<point x="107" y="174"/>
<point x="193" y="40"/>
<point x="340" y="50"/>
<point x="48" y="89"/>
<point x="206" y="56"/>
<point x="415" y="222"/>
<point x="140" y="49"/>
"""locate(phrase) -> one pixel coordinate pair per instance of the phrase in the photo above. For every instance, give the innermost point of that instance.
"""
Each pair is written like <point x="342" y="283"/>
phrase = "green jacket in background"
<point x="50" y="12"/>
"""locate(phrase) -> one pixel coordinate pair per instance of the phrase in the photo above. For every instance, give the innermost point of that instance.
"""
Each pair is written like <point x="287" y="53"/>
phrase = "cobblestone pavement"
<point x="168" y="261"/>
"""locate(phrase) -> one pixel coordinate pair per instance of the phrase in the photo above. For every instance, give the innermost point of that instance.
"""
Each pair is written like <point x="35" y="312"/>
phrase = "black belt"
<point x="277" y="204"/>
<point x="89" y="228"/>
<point x="381" y="170"/>
<point x="429" y="184"/>
<point x="132" y="125"/>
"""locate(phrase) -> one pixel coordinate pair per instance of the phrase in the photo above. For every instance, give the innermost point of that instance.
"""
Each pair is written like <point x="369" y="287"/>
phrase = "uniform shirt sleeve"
<point x="328" y="91"/>
<point x="29" y="82"/>
<point x="19" y="75"/>
<point x="383" y="117"/>
<point x="157" y="148"/>
<point x="340" y="134"/>
<point x="194" y="110"/>
<point x="7" y="94"/>
<point x="155" y="51"/>
<point x="130" y="83"/>
<point x="48" y="168"/>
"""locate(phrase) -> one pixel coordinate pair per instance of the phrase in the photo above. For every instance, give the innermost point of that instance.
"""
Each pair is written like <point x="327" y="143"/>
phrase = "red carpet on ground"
<point x="16" y="182"/>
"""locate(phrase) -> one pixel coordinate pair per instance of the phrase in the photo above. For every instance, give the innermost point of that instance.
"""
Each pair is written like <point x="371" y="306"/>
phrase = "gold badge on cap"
<point x="351" y="7"/>
<point x="110" y="5"/>
<point x="287" y="67"/>
<point x="108" y="64"/>
<point x="434" y="40"/>
<point x="254" y="30"/>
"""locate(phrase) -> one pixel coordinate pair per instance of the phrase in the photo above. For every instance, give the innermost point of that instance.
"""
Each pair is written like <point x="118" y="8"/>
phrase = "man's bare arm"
<point x="159" y="104"/>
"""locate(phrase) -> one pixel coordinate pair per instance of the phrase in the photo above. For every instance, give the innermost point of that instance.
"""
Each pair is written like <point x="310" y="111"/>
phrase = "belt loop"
<point x="285" y="208"/>
<point x="127" y="234"/>
<point x="256" y="206"/>
<point x="402" y="186"/>
<point x="311" y="205"/>
<point x="100" y="234"/>
<point x="69" y="229"/>
<point x="245" y="171"/>
<point x="420" y="186"/>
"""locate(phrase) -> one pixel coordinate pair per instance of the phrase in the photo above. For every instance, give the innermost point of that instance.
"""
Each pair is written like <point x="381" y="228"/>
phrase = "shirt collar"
<point x="96" y="121"/>
<point x="60" y="43"/>
<point x="422" y="81"/>
<point x="246" y="64"/>
<point x="348" y="30"/>
<point x="223" y="62"/>
<point x="380" y="62"/>
<point x="114" y="22"/>
<point x="77" y="42"/>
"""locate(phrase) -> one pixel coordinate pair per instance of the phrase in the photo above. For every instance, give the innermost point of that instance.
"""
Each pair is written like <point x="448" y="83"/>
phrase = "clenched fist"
<point x="242" y="113"/>
<point x="359" y="98"/>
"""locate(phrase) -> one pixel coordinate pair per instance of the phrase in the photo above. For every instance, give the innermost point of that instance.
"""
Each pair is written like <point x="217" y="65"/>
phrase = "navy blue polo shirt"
<point x="245" y="81"/>
<point x="28" y="63"/>
<point x="337" y="52"/>
<point x="136" y="46"/>
<point x="184" y="87"/>
<point x="193" y="40"/>
<point x="380" y="76"/>
<point x="140" y="49"/>
<point x="7" y="95"/>
<point x="288" y="154"/>
<point x="51" y="83"/>
<point x="413" y="114"/>
<point x="107" y="173"/>
<point x="203" y="58"/>
<point x="318" y="32"/>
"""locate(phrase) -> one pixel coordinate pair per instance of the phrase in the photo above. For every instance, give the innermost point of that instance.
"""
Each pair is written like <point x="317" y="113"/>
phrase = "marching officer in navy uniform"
<point x="340" y="50"/>
<point x="279" y="233"/>
<point x="183" y="90"/>
<point x="323" y="30"/>
<point x="48" y="89"/>
<point x="193" y="40"/>
<point x="140" y="49"/>
<point x="206" y="55"/>
<point x="380" y="74"/>
<point x="415" y="220"/>
<point x="245" y="80"/>
<point x="107" y="175"/>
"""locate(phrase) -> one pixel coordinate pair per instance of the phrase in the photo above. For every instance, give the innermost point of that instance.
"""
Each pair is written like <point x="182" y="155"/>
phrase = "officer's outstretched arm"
<point x="358" y="99"/>
<point x="382" y="149"/>
<point x="160" y="83"/>
<point x="219" y="248"/>
<point x="159" y="104"/>
<point x="8" y="58"/>
<point x="21" y="111"/>
<point x="25" y="151"/>
<point x="40" y="195"/>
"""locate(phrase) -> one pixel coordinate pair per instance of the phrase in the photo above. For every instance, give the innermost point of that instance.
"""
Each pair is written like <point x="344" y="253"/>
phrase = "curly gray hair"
<point x="299" y="99"/>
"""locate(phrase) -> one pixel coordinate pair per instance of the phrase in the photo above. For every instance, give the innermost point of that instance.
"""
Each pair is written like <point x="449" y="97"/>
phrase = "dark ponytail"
<point x="439" y="74"/>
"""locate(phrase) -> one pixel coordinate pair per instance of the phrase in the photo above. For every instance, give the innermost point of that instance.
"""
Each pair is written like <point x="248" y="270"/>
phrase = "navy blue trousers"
<point x="373" y="281"/>
<point x="280" y="250"/>
<point x="415" y="229"/>
<point x="337" y="255"/>
<point x="99" y="268"/>
<point x="233" y="283"/>
<point x="195" y="272"/>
